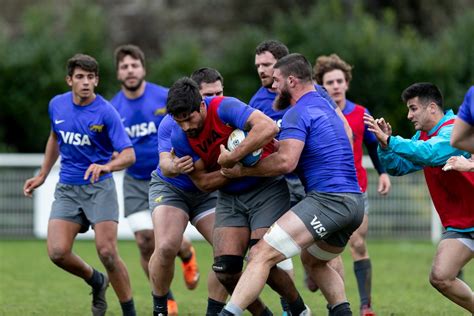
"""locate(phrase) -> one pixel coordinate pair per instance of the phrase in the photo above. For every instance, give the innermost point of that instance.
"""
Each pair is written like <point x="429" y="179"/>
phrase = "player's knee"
<point x="439" y="280"/>
<point x="58" y="255"/>
<point x="228" y="264"/>
<point x="358" y="246"/>
<point x="166" y="252"/>
<point x="107" y="255"/>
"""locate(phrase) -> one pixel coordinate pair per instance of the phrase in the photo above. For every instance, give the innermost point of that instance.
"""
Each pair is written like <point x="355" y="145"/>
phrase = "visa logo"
<point x="318" y="227"/>
<point x="75" y="138"/>
<point x="142" y="129"/>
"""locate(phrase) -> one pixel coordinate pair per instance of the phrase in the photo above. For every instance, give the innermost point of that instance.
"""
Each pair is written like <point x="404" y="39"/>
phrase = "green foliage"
<point x="34" y="69"/>
<point x="180" y="58"/>
<point x="386" y="59"/>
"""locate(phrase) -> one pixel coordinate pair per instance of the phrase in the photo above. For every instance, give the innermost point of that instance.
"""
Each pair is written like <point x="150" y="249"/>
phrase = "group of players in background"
<point x="304" y="196"/>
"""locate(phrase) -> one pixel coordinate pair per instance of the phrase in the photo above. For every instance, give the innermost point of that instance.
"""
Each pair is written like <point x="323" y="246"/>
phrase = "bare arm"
<point x="51" y="154"/>
<point x="123" y="160"/>
<point x="172" y="166"/>
<point x="462" y="136"/>
<point x="207" y="181"/>
<point x="281" y="162"/>
<point x="262" y="131"/>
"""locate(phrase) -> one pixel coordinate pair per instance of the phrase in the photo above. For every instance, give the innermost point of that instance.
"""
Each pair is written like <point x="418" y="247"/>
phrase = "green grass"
<point x="31" y="285"/>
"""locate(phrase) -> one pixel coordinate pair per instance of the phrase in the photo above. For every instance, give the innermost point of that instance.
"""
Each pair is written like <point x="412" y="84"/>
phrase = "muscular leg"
<point x="216" y="290"/>
<point x="169" y="224"/>
<point x="335" y="263"/>
<point x="362" y="264"/>
<point x="450" y="257"/>
<point x="60" y="239"/>
<point x="326" y="277"/>
<point x="106" y="244"/>
<point x="279" y="280"/>
<point x="263" y="257"/>
<point x="145" y="240"/>
<point x="233" y="241"/>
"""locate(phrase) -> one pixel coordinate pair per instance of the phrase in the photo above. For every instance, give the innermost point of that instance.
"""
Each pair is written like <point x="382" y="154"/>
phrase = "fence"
<point x="406" y="213"/>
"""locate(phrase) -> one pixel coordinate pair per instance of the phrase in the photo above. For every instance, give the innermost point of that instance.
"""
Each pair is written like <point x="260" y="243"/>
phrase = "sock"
<point x="341" y="309"/>
<point x="160" y="305"/>
<point x="363" y="273"/>
<point x="96" y="279"/>
<point x="225" y="312"/>
<point x="233" y="309"/>
<point x="170" y="295"/>
<point x="213" y="307"/>
<point x="284" y="304"/>
<point x="186" y="260"/>
<point x="128" y="308"/>
<point x="266" y="312"/>
<point x="297" y="306"/>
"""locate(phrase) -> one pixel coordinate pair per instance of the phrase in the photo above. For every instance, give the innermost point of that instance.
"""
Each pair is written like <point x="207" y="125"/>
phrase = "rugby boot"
<point x="191" y="271"/>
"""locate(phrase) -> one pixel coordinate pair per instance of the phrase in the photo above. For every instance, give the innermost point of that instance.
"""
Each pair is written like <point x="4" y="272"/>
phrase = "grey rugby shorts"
<point x="86" y="204"/>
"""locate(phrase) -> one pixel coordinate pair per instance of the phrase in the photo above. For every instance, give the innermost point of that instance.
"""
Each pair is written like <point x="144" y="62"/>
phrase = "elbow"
<point x="205" y="187"/>
<point x="287" y="167"/>
<point x="454" y="142"/>
<point x="130" y="157"/>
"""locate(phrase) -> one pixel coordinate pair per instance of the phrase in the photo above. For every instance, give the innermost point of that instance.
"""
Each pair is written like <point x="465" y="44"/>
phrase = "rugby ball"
<point x="234" y="140"/>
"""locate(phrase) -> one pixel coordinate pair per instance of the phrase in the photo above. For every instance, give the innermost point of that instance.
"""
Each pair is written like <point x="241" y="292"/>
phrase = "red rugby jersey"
<point x="215" y="132"/>
<point x="452" y="192"/>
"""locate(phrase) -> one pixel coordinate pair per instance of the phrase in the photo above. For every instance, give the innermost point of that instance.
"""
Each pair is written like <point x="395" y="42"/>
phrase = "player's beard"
<point x="134" y="87"/>
<point x="282" y="100"/>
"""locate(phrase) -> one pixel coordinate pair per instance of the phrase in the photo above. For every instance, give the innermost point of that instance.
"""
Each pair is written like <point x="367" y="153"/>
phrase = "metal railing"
<point x="406" y="213"/>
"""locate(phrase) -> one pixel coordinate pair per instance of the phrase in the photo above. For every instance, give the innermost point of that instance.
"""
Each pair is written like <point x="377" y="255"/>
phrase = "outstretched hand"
<point x="381" y="129"/>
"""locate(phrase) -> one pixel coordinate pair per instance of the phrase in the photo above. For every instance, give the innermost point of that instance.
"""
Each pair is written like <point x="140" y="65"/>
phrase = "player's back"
<point x="326" y="163"/>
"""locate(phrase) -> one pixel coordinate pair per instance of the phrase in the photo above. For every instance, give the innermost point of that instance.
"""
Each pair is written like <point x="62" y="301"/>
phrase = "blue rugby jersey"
<point x="141" y="118"/>
<point x="327" y="162"/>
<point x="181" y="181"/>
<point x="263" y="100"/>
<point x="86" y="134"/>
<point x="466" y="110"/>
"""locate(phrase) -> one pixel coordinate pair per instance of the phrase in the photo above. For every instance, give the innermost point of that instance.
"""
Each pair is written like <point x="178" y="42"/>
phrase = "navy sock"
<point x="128" y="308"/>
<point x="266" y="312"/>
<point x="96" y="279"/>
<point x="363" y="273"/>
<point x="297" y="306"/>
<point x="342" y="309"/>
<point x="170" y="295"/>
<point x="160" y="304"/>
<point x="214" y="307"/>
<point x="284" y="304"/>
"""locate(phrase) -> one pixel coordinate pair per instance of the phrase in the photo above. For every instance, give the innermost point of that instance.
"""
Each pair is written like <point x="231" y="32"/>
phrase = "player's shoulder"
<point x="156" y="89"/>
<point x="61" y="98"/>
<point x="117" y="99"/>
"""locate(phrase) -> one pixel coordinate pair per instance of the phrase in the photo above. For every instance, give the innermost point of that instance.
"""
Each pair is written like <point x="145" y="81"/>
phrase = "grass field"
<point x="31" y="285"/>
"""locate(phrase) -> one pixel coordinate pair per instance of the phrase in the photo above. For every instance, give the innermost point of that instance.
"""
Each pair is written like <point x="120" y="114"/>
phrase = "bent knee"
<point x="107" y="255"/>
<point x="166" y="251"/>
<point x="58" y="255"/>
<point x="440" y="281"/>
